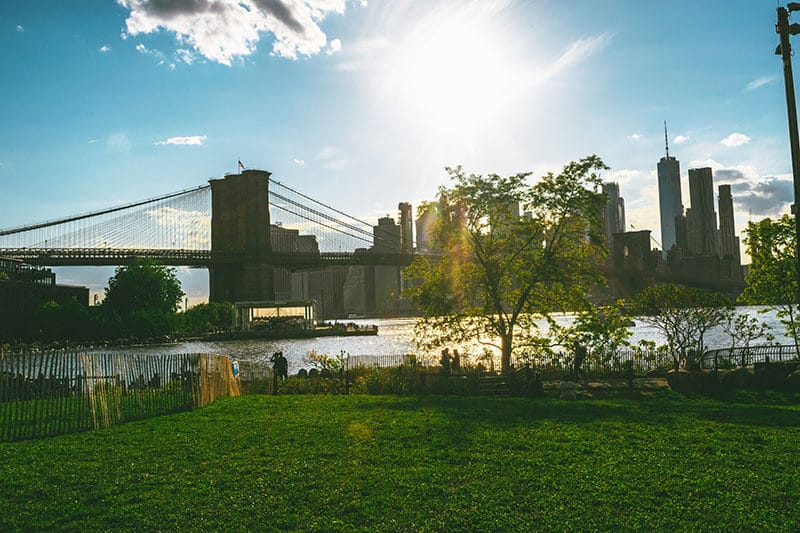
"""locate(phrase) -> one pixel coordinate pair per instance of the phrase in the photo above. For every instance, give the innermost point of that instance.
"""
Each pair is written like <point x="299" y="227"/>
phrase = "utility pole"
<point x="784" y="29"/>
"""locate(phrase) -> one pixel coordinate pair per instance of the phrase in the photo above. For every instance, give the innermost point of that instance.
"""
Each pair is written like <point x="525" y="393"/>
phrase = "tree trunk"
<point x="505" y="356"/>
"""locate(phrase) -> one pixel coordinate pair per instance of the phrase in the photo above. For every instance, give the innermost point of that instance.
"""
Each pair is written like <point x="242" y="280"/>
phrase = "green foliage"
<point x="683" y="315"/>
<point x="772" y="277"/>
<point x="3" y="275"/>
<point x="143" y="286"/>
<point x="602" y="330"/>
<point x="338" y="463"/>
<point x="141" y="300"/>
<point x="499" y="272"/>
<point x="744" y="329"/>
<point x="70" y="321"/>
<point x="211" y="317"/>
<point x="326" y="362"/>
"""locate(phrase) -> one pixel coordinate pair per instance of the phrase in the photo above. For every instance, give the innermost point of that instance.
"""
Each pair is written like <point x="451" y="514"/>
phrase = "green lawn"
<point x="417" y="463"/>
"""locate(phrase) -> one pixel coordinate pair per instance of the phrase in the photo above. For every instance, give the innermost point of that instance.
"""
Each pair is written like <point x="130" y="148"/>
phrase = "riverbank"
<point x="333" y="330"/>
<point x="358" y="463"/>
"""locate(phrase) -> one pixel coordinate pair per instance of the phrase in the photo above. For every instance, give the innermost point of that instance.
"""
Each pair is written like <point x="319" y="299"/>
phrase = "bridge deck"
<point x="197" y="258"/>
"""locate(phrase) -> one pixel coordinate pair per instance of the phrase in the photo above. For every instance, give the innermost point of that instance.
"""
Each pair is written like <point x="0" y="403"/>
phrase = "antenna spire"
<point x="666" y="138"/>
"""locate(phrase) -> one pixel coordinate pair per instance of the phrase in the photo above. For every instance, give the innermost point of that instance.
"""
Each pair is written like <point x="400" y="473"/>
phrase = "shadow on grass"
<point x="658" y="409"/>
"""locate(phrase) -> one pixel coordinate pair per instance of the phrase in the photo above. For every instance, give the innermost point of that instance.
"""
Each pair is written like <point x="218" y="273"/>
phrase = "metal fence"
<point x="56" y="392"/>
<point x="747" y="356"/>
<point x="557" y="364"/>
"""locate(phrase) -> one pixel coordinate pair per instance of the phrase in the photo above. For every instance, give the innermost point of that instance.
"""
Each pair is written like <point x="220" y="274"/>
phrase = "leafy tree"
<point x="602" y="330"/>
<point x="684" y="315"/>
<point x="499" y="272"/>
<point x="772" y="277"/>
<point x="209" y="317"/>
<point x="142" y="298"/>
<point x="743" y="330"/>
<point x="69" y="321"/>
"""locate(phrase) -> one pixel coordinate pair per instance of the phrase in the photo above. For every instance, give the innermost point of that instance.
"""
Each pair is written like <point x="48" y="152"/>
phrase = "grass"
<point x="417" y="463"/>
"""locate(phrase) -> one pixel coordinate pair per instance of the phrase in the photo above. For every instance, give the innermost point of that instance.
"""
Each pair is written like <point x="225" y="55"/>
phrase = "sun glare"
<point x="454" y="72"/>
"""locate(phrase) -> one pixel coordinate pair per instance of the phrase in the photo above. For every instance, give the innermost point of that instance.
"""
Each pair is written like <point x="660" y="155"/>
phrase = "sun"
<point x="454" y="71"/>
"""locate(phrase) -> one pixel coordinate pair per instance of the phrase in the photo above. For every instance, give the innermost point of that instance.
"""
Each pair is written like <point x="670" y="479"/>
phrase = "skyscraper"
<point x="669" y="195"/>
<point x="701" y="219"/>
<point x="386" y="236"/>
<point x="406" y="225"/>
<point x="613" y="214"/>
<point x="427" y="215"/>
<point x="728" y="241"/>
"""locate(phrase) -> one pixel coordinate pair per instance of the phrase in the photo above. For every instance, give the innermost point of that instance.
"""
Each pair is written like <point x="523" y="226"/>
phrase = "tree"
<point x="772" y="277"/>
<point x="602" y="330"/>
<point x="209" y="317"/>
<point x="145" y="296"/>
<point x="683" y="315"/>
<point x="500" y="273"/>
<point x="743" y="330"/>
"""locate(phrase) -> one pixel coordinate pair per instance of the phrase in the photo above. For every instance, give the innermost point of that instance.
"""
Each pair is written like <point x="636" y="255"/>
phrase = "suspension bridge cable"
<point x="388" y="237"/>
<point x="46" y="224"/>
<point x="320" y="223"/>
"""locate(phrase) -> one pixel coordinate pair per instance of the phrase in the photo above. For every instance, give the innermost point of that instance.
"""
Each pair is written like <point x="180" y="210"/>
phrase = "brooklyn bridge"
<point x="225" y="226"/>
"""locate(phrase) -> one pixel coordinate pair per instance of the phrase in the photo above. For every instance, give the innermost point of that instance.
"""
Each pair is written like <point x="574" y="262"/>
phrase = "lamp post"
<point x="784" y="29"/>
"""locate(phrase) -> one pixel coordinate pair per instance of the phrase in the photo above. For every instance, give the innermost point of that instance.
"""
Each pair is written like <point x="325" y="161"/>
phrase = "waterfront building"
<point x="25" y="288"/>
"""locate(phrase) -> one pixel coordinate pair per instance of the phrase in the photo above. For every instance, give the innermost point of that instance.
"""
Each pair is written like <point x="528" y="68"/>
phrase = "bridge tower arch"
<point x="240" y="238"/>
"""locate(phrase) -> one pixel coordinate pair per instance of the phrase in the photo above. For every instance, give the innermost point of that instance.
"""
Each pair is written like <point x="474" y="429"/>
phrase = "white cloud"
<point x="628" y="176"/>
<point x="299" y="162"/>
<point x="759" y="82"/>
<point x="735" y="139"/>
<point x="635" y="136"/>
<point x="142" y="48"/>
<point x="680" y="139"/>
<point x="193" y="140"/>
<point x="93" y="141"/>
<point x="20" y="28"/>
<point x="334" y="47"/>
<point x="185" y="55"/>
<point x="224" y="30"/>
<point x="578" y="51"/>
<point x="104" y="49"/>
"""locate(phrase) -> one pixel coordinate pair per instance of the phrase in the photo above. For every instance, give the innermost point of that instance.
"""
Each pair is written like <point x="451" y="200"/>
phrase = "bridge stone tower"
<point x="240" y="227"/>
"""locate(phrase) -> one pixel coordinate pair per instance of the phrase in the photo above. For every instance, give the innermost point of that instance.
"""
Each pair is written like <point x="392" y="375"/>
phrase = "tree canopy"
<point x="772" y="277"/>
<point x="143" y="286"/>
<point x="141" y="300"/>
<point x="499" y="273"/>
<point x="683" y="315"/>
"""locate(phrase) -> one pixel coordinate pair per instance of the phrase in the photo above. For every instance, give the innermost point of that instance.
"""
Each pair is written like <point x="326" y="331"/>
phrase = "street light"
<point x="784" y="29"/>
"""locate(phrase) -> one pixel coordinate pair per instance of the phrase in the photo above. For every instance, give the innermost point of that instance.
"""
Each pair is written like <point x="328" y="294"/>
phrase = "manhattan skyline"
<point x="112" y="102"/>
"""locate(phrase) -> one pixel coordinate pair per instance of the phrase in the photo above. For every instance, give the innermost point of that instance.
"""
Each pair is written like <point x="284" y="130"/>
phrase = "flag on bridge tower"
<point x="241" y="165"/>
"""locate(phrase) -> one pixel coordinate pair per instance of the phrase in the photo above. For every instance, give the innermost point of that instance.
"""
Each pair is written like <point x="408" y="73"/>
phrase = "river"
<point x="395" y="337"/>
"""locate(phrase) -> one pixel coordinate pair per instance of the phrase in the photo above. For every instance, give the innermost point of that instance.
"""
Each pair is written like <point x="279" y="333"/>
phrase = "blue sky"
<point x="363" y="104"/>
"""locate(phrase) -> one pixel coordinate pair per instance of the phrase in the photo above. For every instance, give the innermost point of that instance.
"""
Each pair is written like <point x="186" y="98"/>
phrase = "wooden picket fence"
<point x="56" y="392"/>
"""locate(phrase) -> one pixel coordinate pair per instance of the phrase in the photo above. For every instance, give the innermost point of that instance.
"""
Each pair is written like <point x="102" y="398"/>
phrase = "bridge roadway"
<point x="198" y="258"/>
